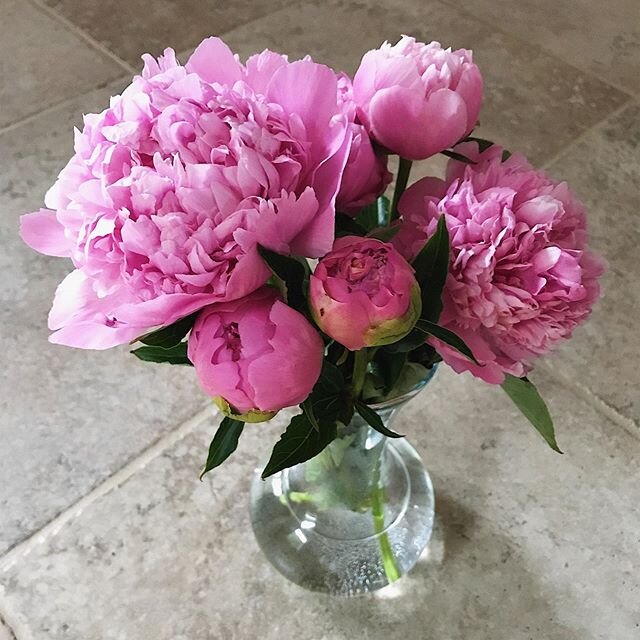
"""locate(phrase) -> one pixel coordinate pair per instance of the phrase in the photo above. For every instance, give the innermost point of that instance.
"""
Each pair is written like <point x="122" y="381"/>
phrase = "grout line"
<point x="23" y="548"/>
<point x="594" y="401"/>
<point x="4" y="626"/>
<point x="52" y="13"/>
<point x="581" y="136"/>
<point x="185" y="53"/>
<point x="487" y="22"/>
<point x="63" y="103"/>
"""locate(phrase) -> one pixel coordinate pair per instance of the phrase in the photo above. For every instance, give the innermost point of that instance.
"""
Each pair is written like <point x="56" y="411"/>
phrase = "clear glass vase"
<point x="354" y="518"/>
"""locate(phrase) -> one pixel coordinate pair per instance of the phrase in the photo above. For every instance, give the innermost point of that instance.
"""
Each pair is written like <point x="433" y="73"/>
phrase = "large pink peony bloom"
<point x="417" y="99"/>
<point x="171" y="187"/>
<point x="364" y="293"/>
<point x="239" y="348"/>
<point x="521" y="278"/>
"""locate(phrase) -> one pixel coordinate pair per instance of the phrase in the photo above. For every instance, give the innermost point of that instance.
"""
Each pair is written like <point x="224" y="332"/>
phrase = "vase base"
<point x="313" y="551"/>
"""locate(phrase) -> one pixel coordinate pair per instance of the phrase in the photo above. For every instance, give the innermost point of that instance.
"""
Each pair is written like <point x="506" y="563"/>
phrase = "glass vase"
<point x="353" y="519"/>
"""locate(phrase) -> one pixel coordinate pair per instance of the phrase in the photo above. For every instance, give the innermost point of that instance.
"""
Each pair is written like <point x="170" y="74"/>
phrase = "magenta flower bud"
<point x="365" y="175"/>
<point x="417" y="99"/>
<point x="364" y="293"/>
<point x="255" y="355"/>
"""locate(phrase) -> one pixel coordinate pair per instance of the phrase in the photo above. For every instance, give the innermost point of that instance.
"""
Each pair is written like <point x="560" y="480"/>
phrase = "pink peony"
<point x="365" y="175"/>
<point x="171" y="187"/>
<point x="521" y="278"/>
<point x="417" y="99"/>
<point x="239" y="348"/>
<point x="364" y="293"/>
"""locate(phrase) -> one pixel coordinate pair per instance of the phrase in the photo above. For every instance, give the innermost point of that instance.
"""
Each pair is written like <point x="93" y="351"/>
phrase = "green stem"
<point x="404" y="169"/>
<point x="377" y="511"/>
<point x="360" y="364"/>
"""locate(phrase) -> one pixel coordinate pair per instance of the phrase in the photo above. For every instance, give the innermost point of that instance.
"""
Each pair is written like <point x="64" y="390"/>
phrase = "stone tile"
<point x="528" y="543"/>
<point x="132" y="28"/>
<point x="597" y="37"/>
<point x="534" y="102"/>
<point x="70" y="418"/>
<point x="604" y="170"/>
<point x="43" y="63"/>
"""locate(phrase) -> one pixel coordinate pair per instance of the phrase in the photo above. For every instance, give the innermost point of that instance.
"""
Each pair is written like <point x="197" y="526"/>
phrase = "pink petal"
<point x="42" y="232"/>
<point x="213" y="61"/>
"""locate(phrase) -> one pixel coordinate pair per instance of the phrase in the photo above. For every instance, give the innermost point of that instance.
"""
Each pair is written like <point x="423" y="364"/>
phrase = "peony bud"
<point x="364" y="294"/>
<point x="417" y="99"/>
<point x="255" y="355"/>
<point x="365" y="175"/>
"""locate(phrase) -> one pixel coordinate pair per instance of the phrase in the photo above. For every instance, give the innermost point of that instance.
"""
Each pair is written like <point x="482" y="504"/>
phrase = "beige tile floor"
<point x="105" y="532"/>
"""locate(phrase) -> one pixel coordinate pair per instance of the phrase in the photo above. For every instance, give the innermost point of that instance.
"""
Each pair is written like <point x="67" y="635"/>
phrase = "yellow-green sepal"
<point x="253" y="415"/>
<point x="393" y="330"/>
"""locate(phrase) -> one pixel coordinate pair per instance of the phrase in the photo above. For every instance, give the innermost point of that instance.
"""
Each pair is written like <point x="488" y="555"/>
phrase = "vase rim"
<point x="405" y="397"/>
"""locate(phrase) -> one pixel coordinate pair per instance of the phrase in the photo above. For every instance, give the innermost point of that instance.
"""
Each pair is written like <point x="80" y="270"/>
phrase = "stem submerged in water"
<point x="377" y="511"/>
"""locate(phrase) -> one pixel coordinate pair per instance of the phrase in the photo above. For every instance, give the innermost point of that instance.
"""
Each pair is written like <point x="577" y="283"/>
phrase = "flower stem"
<point x="377" y="511"/>
<point x="404" y="169"/>
<point x="360" y="364"/>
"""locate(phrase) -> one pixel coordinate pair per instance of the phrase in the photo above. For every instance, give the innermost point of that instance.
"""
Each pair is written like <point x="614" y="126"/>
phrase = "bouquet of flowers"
<point x="232" y="217"/>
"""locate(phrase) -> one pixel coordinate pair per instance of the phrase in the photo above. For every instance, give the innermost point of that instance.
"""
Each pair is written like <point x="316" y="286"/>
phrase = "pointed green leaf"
<point x="224" y="443"/>
<point x="383" y="205"/>
<point x="376" y="214"/>
<point x="483" y="143"/>
<point x="414" y="339"/>
<point x="291" y="272"/>
<point x="171" y="355"/>
<point x="385" y="234"/>
<point x="446" y="336"/>
<point x="505" y="155"/>
<point x="368" y="217"/>
<point x="526" y="397"/>
<point x="327" y="399"/>
<point x="299" y="443"/>
<point x="374" y="420"/>
<point x="348" y="226"/>
<point x="457" y="156"/>
<point x="170" y="335"/>
<point x="432" y="266"/>
<point x="390" y="365"/>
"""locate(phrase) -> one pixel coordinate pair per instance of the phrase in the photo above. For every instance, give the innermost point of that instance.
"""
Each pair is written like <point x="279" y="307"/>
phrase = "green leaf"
<point x="446" y="336"/>
<point x="224" y="443"/>
<point x="326" y="400"/>
<point x="526" y="397"/>
<point x="457" y="156"/>
<point x="390" y="366"/>
<point x="291" y="272"/>
<point x="172" y="355"/>
<point x="368" y="217"/>
<point x="414" y="339"/>
<point x="505" y="155"/>
<point x="170" y="335"/>
<point x="299" y="443"/>
<point x="483" y="143"/>
<point x="432" y="266"/>
<point x="384" y="233"/>
<point x="374" y="420"/>
<point x="348" y="226"/>
<point x="384" y="211"/>
<point x="376" y="214"/>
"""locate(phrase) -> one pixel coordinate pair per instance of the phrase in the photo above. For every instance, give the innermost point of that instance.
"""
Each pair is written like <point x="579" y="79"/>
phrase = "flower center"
<point x="232" y="340"/>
